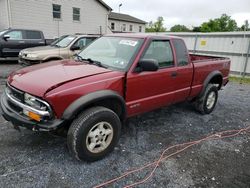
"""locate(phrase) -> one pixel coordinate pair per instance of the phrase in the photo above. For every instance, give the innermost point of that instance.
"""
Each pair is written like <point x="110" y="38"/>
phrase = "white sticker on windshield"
<point x="129" y="42"/>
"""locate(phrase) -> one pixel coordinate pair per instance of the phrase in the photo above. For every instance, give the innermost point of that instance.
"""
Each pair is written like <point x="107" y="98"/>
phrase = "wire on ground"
<point x="177" y="149"/>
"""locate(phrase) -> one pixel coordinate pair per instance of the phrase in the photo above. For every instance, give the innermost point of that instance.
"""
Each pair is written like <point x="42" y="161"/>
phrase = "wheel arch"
<point x="214" y="77"/>
<point x="106" y="98"/>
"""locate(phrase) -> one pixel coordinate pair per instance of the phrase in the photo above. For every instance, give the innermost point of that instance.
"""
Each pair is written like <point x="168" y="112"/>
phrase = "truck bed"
<point x="203" y="66"/>
<point x="195" y="58"/>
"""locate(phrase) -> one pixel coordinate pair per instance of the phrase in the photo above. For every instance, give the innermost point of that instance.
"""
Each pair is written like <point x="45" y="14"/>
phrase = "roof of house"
<point x="125" y="17"/>
<point x="105" y="5"/>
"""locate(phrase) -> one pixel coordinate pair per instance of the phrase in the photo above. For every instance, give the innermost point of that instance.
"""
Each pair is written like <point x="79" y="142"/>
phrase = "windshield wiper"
<point x="94" y="62"/>
<point x="79" y="58"/>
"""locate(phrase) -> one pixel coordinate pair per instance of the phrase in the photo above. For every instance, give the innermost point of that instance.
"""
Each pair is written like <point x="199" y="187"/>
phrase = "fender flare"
<point x="208" y="79"/>
<point x="79" y="104"/>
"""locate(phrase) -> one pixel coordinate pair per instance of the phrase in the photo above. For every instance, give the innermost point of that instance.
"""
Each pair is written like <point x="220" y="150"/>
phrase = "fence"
<point x="235" y="45"/>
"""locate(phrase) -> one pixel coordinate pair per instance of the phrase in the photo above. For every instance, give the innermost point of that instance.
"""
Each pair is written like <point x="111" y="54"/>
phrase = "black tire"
<point x="201" y="103"/>
<point x="83" y="124"/>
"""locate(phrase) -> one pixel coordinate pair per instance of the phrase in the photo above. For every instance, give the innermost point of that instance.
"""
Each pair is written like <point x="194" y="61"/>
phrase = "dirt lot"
<point x="30" y="159"/>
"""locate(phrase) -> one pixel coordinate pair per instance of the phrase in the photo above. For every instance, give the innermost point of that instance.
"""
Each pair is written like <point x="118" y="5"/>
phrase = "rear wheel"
<point x="206" y="103"/>
<point x="94" y="134"/>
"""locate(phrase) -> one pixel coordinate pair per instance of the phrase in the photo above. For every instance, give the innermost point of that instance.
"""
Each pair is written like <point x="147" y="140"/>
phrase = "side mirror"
<point x="73" y="48"/>
<point x="147" y="65"/>
<point x="6" y="37"/>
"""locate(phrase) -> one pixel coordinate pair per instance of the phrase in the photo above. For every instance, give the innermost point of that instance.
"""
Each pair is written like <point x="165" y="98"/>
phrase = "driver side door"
<point x="13" y="45"/>
<point x="150" y="90"/>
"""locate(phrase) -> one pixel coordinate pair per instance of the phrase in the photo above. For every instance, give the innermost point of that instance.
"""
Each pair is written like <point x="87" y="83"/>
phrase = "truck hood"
<point x="40" y="49"/>
<point x="39" y="79"/>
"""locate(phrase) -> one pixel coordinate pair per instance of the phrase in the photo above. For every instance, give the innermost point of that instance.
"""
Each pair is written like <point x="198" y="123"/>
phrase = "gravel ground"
<point x="30" y="159"/>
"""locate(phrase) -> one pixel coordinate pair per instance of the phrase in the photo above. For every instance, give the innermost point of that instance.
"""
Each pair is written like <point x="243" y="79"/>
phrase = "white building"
<point x="125" y="23"/>
<point x="55" y="17"/>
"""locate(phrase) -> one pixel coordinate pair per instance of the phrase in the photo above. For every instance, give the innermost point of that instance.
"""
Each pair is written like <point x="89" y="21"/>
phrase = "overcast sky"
<point x="185" y="12"/>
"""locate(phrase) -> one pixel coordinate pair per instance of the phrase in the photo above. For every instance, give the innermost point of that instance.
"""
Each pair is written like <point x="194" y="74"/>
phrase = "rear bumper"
<point x="16" y="119"/>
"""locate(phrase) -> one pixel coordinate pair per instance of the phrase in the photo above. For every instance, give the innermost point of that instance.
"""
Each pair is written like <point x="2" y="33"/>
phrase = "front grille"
<point x="17" y="94"/>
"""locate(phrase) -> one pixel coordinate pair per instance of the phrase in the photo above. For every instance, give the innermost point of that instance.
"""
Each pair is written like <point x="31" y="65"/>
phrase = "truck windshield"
<point x="112" y="52"/>
<point x="64" y="41"/>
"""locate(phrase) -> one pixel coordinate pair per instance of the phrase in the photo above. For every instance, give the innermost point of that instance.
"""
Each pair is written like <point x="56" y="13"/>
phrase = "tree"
<point x="157" y="26"/>
<point x="179" y="28"/>
<point x="222" y="24"/>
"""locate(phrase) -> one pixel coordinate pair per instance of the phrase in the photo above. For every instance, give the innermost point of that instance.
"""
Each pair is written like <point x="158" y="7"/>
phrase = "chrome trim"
<point x="28" y="108"/>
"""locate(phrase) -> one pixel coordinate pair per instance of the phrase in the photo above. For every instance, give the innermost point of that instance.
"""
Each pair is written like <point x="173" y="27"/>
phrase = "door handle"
<point x="21" y="42"/>
<point x="174" y="74"/>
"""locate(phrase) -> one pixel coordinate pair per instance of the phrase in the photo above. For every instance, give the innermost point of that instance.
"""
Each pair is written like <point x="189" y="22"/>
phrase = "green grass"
<point x="241" y="80"/>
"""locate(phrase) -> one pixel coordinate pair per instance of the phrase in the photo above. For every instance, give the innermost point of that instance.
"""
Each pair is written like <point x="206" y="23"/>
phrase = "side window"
<point x="181" y="52"/>
<point x="83" y="42"/>
<point x="33" y="35"/>
<point x="160" y="51"/>
<point x="15" y="35"/>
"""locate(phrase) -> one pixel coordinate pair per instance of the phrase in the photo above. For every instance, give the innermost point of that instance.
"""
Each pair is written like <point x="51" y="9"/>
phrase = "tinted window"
<point x="181" y="52"/>
<point x="15" y="35"/>
<point x="160" y="51"/>
<point x="33" y="35"/>
<point x="76" y="14"/>
<point x="56" y="11"/>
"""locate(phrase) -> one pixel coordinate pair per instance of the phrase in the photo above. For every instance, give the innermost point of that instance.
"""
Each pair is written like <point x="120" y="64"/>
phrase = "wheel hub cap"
<point x="211" y="100"/>
<point x="99" y="137"/>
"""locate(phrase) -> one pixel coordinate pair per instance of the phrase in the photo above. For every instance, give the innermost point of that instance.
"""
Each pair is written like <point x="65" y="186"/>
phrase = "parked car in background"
<point x="114" y="78"/>
<point x="12" y="41"/>
<point x="63" y="48"/>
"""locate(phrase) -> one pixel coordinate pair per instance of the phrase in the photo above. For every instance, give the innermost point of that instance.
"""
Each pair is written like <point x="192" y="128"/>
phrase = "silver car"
<point x="63" y="48"/>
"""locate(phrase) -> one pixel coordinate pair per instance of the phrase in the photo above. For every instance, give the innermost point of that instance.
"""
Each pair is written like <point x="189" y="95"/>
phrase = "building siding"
<point x="119" y="24"/>
<point x="31" y="14"/>
<point x="4" y="23"/>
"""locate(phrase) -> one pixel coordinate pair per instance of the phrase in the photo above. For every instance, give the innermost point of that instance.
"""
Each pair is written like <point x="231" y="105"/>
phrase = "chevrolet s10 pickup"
<point x="116" y="77"/>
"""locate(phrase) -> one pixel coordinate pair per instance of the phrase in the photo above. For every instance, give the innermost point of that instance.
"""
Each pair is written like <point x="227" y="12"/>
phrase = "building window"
<point x="131" y="28"/>
<point x="76" y="14"/>
<point x="113" y="26"/>
<point x="124" y="27"/>
<point x="140" y="29"/>
<point x="56" y="11"/>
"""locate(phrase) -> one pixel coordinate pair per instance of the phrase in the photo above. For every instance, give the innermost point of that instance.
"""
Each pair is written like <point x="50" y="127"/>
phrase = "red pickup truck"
<point x="116" y="77"/>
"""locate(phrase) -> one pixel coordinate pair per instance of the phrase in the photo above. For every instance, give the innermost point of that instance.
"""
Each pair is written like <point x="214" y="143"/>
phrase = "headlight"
<point x="35" y="102"/>
<point x="20" y="53"/>
<point x="31" y="56"/>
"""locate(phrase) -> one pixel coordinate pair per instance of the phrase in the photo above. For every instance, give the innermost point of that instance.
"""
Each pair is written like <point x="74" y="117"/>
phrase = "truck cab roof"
<point x="142" y="35"/>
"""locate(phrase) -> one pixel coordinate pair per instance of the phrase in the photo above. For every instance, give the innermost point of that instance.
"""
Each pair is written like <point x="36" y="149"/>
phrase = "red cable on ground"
<point x="217" y="136"/>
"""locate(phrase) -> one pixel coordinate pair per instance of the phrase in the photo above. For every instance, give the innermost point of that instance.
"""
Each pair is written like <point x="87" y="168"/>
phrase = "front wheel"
<point x="94" y="134"/>
<point x="206" y="103"/>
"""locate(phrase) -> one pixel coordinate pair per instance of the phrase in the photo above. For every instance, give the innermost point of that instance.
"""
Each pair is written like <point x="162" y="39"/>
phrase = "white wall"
<point x="119" y="25"/>
<point x="31" y="14"/>
<point x="4" y="23"/>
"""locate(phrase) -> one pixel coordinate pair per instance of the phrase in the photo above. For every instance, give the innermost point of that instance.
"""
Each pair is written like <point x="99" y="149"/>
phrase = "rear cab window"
<point x="35" y="35"/>
<point x="181" y="52"/>
<point x="161" y="51"/>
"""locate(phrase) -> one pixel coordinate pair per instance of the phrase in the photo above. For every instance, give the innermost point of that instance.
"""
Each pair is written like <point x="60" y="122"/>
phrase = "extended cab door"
<point x="12" y="46"/>
<point x="149" y="90"/>
<point x="184" y="73"/>
<point x="33" y="39"/>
